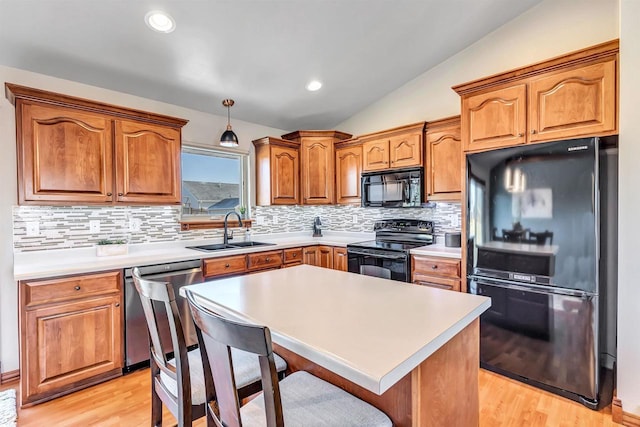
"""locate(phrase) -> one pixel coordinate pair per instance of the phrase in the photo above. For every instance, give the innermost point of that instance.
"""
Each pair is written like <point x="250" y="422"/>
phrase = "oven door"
<point x="377" y="263"/>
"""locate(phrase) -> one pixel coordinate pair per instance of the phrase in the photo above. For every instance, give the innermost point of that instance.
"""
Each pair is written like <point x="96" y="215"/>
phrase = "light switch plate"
<point x="354" y="220"/>
<point x="33" y="228"/>
<point x="260" y="219"/>
<point x="94" y="226"/>
<point x="275" y="219"/>
<point x="135" y="224"/>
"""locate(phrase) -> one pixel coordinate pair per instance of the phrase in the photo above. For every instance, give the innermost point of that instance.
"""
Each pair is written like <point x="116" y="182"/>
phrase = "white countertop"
<point x="437" y="250"/>
<point x="51" y="263"/>
<point x="368" y="330"/>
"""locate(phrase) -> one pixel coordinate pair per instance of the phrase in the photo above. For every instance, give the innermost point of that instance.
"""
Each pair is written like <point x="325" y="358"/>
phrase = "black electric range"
<point x="388" y="255"/>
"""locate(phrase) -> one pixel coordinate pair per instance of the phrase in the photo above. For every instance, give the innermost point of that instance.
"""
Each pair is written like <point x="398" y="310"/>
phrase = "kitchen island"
<point x="410" y="350"/>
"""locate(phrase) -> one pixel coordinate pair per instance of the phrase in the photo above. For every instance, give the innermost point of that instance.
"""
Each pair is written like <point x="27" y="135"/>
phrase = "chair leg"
<point x="156" y="406"/>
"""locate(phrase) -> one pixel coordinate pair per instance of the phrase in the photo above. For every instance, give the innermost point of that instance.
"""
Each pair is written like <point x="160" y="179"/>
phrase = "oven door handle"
<point x="377" y="255"/>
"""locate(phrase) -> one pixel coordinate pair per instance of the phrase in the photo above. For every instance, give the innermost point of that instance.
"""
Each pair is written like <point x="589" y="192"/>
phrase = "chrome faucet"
<point x="226" y="229"/>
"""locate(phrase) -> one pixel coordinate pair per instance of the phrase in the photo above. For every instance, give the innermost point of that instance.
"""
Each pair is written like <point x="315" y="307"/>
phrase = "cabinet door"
<point x="68" y="343"/>
<point x="573" y="103"/>
<point x="348" y="170"/>
<point x="285" y="169"/>
<point x="494" y="119"/>
<point x="405" y="150"/>
<point x="375" y="155"/>
<point x="325" y="256"/>
<point x="64" y="155"/>
<point x="310" y="255"/>
<point x="317" y="174"/>
<point x="340" y="259"/>
<point x="147" y="163"/>
<point x="224" y="266"/>
<point x="436" y="282"/>
<point x="444" y="164"/>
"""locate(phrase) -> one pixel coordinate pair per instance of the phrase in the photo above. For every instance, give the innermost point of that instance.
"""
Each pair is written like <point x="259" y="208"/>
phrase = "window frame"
<point x="244" y="178"/>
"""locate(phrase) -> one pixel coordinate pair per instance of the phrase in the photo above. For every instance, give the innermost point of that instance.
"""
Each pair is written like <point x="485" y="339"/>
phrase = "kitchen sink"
<point x="222" y="246"/>
<point x="250" y="244"/>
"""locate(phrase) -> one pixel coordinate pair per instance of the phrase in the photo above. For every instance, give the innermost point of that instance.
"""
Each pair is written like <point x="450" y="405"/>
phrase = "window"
<point x="213" y="182"/>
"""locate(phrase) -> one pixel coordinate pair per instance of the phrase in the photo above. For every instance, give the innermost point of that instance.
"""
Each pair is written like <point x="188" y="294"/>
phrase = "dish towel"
<point x="8" y="408"/>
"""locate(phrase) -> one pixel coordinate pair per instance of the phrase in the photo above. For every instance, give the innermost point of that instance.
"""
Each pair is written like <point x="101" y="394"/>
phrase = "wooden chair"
<point x="300" y="399"/>
<point x="514" y="236"/>
<point x="181" y="382"/>
<point x="541" y="238"/>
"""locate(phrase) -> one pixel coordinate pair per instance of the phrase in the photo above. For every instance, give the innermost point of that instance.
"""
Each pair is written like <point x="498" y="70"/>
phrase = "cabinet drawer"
<point x="436" y="282"/>
<point x="436" y="266"/>
<point x="263" y="260"/>
<point x="223" y="266"/>
<point x="292" y="255"/>
<point x="68" y="288"/>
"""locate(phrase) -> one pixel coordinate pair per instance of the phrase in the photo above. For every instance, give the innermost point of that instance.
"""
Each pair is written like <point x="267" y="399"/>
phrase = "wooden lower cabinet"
<point x="437" y="272"/>
<point x="310" y="255"/>
<point x="340" y="259"/>
<point x="292" y="256"/>
<point x="71" y="334"/>
<point x="264" y="260"/>
<point x="224" y="266"/>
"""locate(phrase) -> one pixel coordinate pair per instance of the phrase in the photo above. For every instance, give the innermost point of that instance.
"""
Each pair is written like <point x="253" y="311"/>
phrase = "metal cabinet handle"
<point x="295" y="254"/>
<point x="227" y="266"/>
<point x="341" y="254"/>
<point x="109" y="194"/>
<point x="268" y="259"/>
<point x="533" y="131"/>
<point x="77" y="288"/>
<point x="117" y="304"/>
<point x="520" y="135"/>
<point x="434" y="267"/>
<point x="119" y="194"/>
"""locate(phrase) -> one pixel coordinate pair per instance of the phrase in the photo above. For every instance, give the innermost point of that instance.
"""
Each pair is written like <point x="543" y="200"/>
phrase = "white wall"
<point x="552" y="28"/>
<point x="629" y="207"/>
<point x="202" y="130"/>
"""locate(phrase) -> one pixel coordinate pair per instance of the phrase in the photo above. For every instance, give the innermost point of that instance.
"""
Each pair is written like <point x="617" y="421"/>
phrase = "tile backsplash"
<point x="64" y="227"/>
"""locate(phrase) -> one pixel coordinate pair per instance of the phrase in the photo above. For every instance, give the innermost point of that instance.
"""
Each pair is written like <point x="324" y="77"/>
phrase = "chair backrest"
<point x="541" y="238"/>
<point x="217" y="336"/>
<point x="514" y="236"/>
<point x="162" y="293"/>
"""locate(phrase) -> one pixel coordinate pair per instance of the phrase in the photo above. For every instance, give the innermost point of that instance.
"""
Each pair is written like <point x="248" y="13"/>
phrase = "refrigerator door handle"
<point x="531" y="288"/>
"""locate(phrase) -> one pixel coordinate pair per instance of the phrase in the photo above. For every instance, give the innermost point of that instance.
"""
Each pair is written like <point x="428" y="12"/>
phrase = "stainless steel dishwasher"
<point x="136" y="335"/>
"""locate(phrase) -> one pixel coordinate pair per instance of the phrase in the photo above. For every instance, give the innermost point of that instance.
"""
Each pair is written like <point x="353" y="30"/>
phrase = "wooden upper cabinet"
<point x="76" y="151"/>
<point x="277" y="172"/>
<point x="495" y="119"/>
<point x="348" y="170"/>
<point x="571" y="96"/>
<point x="572" y="103"/>
<point x="147" y="163"/>
<point x="63" y="155"/>
<point x="405" y="150"/>
<point x="375" y="155"/>
<point x="444" y="160"/>
<point x="394" y="148"/>
<point x="317" y="176"/>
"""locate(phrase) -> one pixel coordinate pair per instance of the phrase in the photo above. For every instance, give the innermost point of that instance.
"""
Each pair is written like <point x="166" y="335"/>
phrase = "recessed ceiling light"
<point x="160" y="21"/>
<point x="313" y="85"/>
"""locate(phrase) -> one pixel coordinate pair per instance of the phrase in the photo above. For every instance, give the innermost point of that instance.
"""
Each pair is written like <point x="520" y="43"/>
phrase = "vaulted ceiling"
<point x="261" y="53"/>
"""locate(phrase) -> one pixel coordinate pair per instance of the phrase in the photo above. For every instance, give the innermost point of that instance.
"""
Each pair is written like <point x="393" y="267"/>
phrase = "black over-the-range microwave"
<point x="392" y="189"/>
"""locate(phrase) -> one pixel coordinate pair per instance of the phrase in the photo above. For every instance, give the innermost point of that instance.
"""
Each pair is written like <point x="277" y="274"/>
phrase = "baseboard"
<point x="621" y="417"/>
<point x="6" y="377"/>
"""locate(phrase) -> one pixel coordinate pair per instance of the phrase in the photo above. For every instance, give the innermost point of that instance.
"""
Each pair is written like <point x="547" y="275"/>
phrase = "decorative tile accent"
<point x="65" y="227"/>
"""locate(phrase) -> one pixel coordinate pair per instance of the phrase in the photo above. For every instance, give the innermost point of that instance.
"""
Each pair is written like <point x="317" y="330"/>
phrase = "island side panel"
<point x="446" y="384"/>
<point x="395" y="402"/>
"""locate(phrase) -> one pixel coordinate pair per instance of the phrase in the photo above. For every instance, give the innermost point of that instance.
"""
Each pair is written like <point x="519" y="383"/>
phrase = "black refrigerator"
<point x="540" y="225"/>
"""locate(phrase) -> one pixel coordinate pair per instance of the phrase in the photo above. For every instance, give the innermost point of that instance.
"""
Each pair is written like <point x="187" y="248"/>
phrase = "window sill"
<point x="201" y="224"/>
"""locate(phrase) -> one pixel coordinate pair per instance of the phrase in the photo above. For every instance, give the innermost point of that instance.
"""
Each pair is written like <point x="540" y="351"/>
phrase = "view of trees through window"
<point x="212" y="182"/>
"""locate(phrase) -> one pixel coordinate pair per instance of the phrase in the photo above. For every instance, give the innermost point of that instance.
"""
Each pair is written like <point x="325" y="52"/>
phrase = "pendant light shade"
<point x="228" y="138"/>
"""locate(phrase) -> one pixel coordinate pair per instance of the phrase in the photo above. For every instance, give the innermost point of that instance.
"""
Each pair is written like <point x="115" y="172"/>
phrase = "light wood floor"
<point x="125" y="402"/>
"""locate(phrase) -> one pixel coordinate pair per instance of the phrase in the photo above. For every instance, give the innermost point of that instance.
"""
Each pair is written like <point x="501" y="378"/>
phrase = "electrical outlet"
<point x="275" y="219"/>
<point x="453" y="218"/>
<point x="260" y="219"/>
<point x="135" y="224"/>
<point x="94" y="226"/>
<point x="354" y="220"/>
<point x="33" y="228"/>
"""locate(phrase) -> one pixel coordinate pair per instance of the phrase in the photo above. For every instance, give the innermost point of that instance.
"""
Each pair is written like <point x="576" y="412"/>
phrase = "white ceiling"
<point x="259" y="52"/>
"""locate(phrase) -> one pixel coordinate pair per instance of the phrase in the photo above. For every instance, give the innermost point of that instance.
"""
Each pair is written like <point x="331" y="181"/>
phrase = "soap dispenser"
<point x="317" y="227"/>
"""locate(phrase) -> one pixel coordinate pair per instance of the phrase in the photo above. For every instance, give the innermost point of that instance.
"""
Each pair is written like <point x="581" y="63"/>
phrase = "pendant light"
<point x="228" y="138"/>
